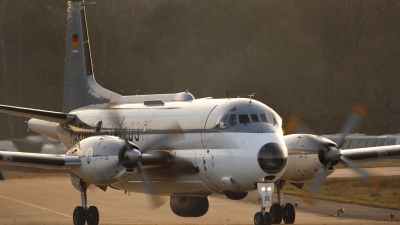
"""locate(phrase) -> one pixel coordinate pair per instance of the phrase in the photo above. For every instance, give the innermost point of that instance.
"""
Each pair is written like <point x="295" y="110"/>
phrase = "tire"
<point x="276" y="213"/>
<point x="93" y="216"/>
<point x="259" y="219"/>
<point x="268" y="219"/>
<point x="79" y="216"/>
<point x="288" y="214"/>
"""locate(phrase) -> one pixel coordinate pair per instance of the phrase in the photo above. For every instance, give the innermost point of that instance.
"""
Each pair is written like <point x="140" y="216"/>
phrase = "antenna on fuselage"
<point x="227" y="94"/>
<point x="247" y="96"/>
<point x="251" y="96"/>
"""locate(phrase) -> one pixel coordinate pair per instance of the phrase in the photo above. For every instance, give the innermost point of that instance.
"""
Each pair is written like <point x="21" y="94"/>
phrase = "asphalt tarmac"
<point x="51" y="200"/>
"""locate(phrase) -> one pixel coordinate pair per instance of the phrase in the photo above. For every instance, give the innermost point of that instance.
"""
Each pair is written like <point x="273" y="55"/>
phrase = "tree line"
<point x="311" y="59"/>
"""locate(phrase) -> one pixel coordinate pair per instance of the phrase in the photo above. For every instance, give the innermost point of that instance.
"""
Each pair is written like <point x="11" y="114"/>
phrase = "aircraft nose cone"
<point x="272" y="158"/>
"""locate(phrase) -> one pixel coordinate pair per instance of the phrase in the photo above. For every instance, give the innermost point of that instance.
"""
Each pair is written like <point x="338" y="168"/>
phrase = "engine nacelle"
<point x="104" y="160"/>
<point x="189" y="206"/>
<point x="305" y="159"/>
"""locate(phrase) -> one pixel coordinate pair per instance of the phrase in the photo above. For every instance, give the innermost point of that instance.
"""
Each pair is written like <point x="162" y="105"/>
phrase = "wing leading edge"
<point x="372" y="152"/>
<point x="39" y="161"/>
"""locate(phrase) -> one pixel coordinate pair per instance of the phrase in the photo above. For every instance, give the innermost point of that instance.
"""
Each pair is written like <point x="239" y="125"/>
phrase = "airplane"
<point x="170" y="144"/>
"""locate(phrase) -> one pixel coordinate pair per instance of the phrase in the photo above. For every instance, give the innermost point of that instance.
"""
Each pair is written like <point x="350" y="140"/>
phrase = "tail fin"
<point x="80" y="88"/>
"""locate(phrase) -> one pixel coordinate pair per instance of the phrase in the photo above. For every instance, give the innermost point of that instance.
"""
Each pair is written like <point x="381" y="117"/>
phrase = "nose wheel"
<point x="82" y="214"/>
<point x="262" y="218"/>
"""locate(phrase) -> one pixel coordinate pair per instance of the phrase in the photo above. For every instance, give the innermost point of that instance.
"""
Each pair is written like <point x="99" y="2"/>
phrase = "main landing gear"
<point x="280" y="211"/>
<point x="82" y="213"/>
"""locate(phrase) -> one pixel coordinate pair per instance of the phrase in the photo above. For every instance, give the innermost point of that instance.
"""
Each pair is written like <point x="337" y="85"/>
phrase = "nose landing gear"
<point x="262" y="217"/>
<point x="82" y="213"/>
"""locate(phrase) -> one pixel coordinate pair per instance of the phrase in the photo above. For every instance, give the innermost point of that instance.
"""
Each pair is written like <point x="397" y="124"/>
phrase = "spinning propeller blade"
<point x="296" y="126"/>
<point x="159" y="142"/>
<point x="354" y="119"/>
<point x="332" y="154"/>
<point x="155" y="199"/>
<point x="372" y="180"/>
<point x="310" y="196"/>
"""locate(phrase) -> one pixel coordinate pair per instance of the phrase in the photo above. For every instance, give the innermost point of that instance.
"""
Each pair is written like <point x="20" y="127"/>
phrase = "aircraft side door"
<point x="209" y="153"/>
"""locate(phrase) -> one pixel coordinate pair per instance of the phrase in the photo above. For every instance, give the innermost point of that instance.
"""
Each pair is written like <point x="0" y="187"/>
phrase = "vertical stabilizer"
<point x="80" y="88"/>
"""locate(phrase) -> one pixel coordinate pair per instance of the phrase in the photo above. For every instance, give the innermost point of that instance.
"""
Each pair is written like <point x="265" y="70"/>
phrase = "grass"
<point x="354" y="190"/>
<point x="371" y="164"/>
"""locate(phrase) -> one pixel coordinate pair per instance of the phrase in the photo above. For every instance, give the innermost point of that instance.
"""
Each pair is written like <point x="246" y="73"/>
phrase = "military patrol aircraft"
<point x="168" y="144"/>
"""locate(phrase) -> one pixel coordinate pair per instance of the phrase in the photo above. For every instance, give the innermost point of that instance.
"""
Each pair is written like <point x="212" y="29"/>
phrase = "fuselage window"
<point x="244" y="118"/>
<point x="232" y="120"/>
<point x="254" y="117"/>
<point x="263" y="118"/>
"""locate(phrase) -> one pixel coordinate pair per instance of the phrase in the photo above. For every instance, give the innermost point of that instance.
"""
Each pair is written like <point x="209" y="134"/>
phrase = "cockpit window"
<point x="254" y="117"/>
<point x="272" y="119"/>
<point x="263" y="118"/>
<point x="232" y="120"/>
<point x="222" y="121"/>
<point x="244" y="118"/>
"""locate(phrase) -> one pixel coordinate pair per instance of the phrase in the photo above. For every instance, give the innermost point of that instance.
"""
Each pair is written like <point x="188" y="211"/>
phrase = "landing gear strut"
<point x="281" y="211"/>
<point x="262" y="217"/>
<point x="82" y="213"/>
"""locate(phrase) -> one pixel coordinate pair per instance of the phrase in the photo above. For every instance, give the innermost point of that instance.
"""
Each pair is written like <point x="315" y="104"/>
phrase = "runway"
<point x="52" y="199"/>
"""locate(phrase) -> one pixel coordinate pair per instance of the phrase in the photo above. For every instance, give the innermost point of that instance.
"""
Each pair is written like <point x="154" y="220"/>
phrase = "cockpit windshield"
<point x="231" y="120"/>
<point x="244" y="119"/>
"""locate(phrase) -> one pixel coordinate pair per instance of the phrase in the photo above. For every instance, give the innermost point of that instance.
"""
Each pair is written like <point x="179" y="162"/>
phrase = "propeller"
<point x="296" y="126"/>
<point x="330" y="155"/>
<point x="130" y="154"/>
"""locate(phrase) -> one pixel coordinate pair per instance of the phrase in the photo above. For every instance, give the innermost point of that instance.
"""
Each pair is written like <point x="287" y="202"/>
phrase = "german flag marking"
<point x="75" y="40"/>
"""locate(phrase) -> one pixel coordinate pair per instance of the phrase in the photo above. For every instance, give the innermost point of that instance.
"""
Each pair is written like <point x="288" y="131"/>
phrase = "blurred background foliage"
<point x="311" y="59"/>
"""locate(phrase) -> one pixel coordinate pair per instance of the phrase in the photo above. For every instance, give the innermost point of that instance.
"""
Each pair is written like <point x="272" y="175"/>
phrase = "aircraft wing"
<point x="51" y="116"/>
<point x="36" y="162"/>
<point x="372" y="152"/>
